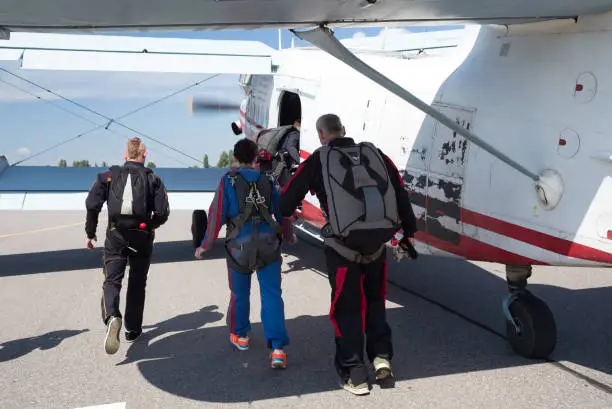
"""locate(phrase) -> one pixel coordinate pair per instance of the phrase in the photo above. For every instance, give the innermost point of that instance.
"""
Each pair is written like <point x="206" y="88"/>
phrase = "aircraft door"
<point x="445" y="180"/>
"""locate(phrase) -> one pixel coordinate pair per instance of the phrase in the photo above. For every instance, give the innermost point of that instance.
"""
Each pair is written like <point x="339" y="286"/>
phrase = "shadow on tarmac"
<point x="199" y="363"/>
<point x="17" y="348"/>
<point x="196" y="361"/>
<point x="83" y="259"/>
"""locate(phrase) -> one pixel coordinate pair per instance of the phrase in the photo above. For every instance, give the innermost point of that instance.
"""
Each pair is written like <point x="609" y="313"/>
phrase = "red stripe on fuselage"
<point x="312" y="214"/>
<point x="473" y="250"/>
<point x="476" y="250"/>
<point x="535" y="238"/>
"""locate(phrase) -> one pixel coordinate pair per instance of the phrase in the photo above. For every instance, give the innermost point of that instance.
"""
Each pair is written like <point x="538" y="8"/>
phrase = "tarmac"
<point x="446" y="317"/>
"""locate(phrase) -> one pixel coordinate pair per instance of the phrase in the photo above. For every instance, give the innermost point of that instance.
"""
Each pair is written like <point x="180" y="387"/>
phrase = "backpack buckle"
<point x="255" y="197"/>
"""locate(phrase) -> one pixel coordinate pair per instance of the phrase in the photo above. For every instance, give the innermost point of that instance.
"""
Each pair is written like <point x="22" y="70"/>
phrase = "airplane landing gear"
<point x="530" y="325"/>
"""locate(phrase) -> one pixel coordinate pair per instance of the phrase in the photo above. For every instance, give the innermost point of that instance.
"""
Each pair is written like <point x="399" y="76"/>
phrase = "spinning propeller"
<point x="214" y="104"/>
<point x="209" y="103"/>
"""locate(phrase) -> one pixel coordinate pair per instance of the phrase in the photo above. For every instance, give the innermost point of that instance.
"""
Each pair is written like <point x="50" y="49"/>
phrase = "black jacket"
<point x="98" y="194"/>
<point x="309" y="177"/>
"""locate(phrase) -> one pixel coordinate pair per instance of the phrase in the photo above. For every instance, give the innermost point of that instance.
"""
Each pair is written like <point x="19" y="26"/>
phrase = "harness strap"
<point x="238" y="222"/>
<point x="353" y="255"/>
<point x="279" y="168"/>
<point x="252" y="207"/>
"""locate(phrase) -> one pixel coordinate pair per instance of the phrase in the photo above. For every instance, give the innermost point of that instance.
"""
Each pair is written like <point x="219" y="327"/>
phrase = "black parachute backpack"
<point x="128" y="197"/>
<point x="247" y="254"/>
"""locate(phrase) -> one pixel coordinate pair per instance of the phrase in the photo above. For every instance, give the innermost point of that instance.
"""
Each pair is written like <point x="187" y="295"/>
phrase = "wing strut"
<point x="549" y="185"/>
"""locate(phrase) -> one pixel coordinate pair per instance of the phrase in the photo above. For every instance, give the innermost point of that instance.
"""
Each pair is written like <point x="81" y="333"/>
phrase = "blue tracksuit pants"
<point x="272" y="306"/>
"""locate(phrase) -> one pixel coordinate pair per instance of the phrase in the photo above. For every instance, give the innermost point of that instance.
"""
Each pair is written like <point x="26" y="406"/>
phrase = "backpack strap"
<point x="266" y="185"/>
<point x="245" y="207"/>
<point x="250" y="201"/>
<point x="145" y="173"/>
<point x="350" y="254"/>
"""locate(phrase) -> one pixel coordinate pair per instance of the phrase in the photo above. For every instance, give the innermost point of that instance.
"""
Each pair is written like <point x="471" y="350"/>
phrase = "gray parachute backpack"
<point x="268" y="139"/>
<point x="362" y="206"/>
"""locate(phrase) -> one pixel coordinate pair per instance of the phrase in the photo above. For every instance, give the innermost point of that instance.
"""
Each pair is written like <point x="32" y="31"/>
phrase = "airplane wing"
<point x="136" y="54"/>
<point x="115" y="15"/>
<point x="56" y="188"/>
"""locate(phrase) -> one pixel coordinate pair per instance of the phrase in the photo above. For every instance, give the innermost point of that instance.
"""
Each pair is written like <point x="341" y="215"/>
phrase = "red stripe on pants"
<point x="232" y="299"/>
<point x="383" y="285"/>
<point x="364" y="304"/>
<point x="340" y="277"/>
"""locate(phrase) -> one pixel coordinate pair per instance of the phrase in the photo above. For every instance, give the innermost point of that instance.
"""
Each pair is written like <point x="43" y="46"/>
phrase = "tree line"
<point x="226" y="158"/>
<point x="85" y="164"/>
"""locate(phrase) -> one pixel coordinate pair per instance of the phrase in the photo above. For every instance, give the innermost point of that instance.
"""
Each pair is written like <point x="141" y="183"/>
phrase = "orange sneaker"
<point x="278" y="359"/>
<point x="241" y="343"/>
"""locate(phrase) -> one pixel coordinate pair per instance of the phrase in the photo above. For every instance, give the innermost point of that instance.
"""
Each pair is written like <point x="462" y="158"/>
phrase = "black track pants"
<point x="357" y="308"/>
<point x="117" y="254"/>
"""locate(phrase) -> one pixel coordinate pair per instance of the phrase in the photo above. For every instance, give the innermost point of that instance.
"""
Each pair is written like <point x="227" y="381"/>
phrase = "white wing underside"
<point x="136" y="54"/>
<point x="114" y="15"/>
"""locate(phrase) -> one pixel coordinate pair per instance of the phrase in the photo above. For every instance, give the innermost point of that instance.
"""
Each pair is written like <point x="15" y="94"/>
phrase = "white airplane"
<point x="501" y="135"/>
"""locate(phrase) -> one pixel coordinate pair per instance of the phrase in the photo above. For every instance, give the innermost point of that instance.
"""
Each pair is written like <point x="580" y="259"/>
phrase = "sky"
<point x="32" y="123"/>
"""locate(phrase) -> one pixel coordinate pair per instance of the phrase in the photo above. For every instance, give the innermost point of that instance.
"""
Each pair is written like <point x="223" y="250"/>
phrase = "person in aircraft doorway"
<point x="137" y="204"/>
<point x="363" y="212"/>
<point x="279" y="155"/>
<point x="247" y="201"/>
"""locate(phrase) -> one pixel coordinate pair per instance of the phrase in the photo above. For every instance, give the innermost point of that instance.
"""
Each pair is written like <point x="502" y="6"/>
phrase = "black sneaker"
<point x="111" y="341"/>
<point x="131" y="336"/>
<point x="384" y="374"/>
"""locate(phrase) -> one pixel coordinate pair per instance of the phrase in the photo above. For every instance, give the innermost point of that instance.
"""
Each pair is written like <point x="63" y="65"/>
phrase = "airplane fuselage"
<point x="538" y="95"/>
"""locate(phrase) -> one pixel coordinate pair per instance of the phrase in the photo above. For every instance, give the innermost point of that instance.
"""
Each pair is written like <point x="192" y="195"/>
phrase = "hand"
<point x="89" y="243"/>
<point x="199" y="252"/>
<point x="407" y="243"/>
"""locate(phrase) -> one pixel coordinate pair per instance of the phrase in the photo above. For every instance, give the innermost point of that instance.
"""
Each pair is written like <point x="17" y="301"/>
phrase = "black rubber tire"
<point x="199" y="223"/>
<point x="538" y="332"/>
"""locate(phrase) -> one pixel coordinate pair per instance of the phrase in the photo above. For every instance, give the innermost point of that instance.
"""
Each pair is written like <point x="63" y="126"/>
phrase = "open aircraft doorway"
<point x="289" y="108"/>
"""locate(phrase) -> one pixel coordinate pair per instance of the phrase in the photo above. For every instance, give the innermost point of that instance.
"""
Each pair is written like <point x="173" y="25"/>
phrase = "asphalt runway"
<point x="446" y="318"/>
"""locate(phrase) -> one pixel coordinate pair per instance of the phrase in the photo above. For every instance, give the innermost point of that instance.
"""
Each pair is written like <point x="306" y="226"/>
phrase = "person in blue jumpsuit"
<point x="265" y="237"/>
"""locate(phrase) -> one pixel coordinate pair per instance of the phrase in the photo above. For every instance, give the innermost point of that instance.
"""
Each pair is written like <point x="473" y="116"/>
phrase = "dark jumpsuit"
<point x="117" y="252"/>
<point x="358" y="290"/>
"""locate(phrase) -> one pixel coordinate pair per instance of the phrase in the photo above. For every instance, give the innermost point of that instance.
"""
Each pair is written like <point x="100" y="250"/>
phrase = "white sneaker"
<point x="361" y="389"/>
<point x="111" y="342"/>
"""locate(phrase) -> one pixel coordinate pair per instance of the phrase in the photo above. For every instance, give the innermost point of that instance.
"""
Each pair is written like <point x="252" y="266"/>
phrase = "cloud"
<point x="396" y="38"/>
<point x="23" y="151"/>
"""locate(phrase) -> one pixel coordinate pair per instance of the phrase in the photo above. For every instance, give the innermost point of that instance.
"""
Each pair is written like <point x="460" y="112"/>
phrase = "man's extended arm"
<point x="404" y="207"/>
<point x="275" y="204"/>
<point x="296" y="188"/>
<point x="216" y="216"/>
<point x="98" y="194"/>
<point x="161" y="210"/>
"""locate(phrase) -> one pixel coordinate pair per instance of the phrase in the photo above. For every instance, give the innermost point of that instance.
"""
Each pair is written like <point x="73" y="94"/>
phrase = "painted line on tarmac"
<point x="45" y="229"/>
<point x="119" y="405"/>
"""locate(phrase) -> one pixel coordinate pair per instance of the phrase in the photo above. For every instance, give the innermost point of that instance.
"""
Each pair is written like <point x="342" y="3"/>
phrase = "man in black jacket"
<point x="358" y="289"/>
<point x="289" y="148"/>
<point x="137" y="204"/>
